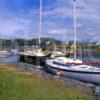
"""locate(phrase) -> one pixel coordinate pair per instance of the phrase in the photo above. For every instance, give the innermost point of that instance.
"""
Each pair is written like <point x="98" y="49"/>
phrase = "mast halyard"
<point x="40" y="22"/>
<point x="75" y="29"/>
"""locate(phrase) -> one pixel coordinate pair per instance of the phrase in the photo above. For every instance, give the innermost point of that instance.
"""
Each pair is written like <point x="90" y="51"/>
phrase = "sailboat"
<point x="56" y="53"/>
<point x="3" y="51"/>
<point x="72" y="67"/>
<point x="36" y="55"/>
<point x="14" y="49"/>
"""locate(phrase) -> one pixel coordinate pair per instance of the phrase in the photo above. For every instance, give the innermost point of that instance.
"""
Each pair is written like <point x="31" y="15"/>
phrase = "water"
<point x="15" y="58"/>
<point x="95" y="56"/>
<point x="12" y="59"/>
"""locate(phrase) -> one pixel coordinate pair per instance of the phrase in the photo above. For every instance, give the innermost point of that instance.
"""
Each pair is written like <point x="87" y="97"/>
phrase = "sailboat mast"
<point x="75" y="28"/>
<point x="40" y="22"/>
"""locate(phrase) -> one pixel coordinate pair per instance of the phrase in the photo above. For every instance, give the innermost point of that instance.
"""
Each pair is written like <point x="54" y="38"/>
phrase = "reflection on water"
<point x="10" y="59"/>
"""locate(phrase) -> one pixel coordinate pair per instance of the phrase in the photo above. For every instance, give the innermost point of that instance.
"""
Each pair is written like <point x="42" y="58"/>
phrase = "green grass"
<point x="15" y="84"/>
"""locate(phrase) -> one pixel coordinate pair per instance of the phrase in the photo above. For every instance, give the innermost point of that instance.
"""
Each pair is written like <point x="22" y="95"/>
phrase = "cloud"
<point x="22" y="21"/>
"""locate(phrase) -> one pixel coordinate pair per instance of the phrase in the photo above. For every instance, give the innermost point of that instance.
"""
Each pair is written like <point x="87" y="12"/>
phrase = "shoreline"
<point x="32" y="82"/>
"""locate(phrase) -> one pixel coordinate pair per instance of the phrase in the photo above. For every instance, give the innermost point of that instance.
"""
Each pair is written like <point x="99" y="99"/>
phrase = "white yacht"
<point x="55" y="54"/>
<point x="74" y="68"/>
<point x="36" y="55"/>
<point x="4" y="53"/>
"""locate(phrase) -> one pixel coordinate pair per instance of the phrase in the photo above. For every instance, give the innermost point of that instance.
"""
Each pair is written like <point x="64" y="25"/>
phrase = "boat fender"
<point x="59" y="73"/>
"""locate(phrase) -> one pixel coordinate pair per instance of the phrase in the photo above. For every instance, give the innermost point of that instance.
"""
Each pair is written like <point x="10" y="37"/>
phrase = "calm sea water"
<point x="15" y="58"/>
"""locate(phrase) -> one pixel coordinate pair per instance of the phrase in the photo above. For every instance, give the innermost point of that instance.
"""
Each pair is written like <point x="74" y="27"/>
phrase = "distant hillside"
<point x="24" y="42"/>
<point x="44" y="42"/>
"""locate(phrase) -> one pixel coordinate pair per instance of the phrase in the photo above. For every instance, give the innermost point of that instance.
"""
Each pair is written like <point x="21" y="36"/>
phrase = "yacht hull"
<point x="84" y="76"/>
<point x="37" y="60"/>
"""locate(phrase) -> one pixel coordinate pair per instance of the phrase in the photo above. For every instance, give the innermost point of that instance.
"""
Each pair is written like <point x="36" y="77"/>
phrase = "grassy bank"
<point x="15" y="84"/>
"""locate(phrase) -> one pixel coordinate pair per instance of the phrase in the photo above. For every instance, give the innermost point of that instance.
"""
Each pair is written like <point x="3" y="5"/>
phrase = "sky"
<point x="20" y="19"/>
